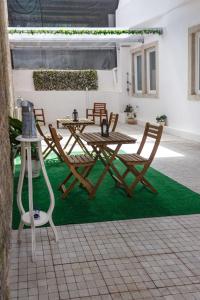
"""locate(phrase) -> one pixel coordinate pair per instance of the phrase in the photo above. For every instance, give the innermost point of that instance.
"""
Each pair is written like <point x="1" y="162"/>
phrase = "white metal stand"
<point x="27" y="218"/>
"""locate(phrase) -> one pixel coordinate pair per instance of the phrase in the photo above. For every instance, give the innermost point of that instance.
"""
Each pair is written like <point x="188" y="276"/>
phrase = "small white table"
<point x="27" y="218"/>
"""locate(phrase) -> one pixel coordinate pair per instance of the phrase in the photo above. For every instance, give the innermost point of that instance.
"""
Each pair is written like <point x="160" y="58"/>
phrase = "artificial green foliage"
<point x="47" y="80"/>
<point x="66" y="31"/>
<point x="111" y="202"/>
<point x="15" y="129"/>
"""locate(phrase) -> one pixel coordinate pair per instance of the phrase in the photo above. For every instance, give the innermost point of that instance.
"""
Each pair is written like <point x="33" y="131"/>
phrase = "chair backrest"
<point x="113" y="119"/>
<point x="40" y="131"/>
<point x="99" y="106"/>
<point x="43" y="134"/>
<point x="39" y="115"/>
<point x="154" y="132"/>
<point x="55" y="138"/>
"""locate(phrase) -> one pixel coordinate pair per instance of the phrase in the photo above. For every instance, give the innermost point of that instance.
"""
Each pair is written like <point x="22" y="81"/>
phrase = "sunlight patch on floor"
<point x="161" y="152"/>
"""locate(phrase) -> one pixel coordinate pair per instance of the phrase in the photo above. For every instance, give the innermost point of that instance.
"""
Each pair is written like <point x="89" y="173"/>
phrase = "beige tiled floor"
<point x="157" y="258"/>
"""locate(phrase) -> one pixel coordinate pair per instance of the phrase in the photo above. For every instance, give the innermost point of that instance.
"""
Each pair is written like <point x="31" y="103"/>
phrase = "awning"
<point x="77" y="38"/>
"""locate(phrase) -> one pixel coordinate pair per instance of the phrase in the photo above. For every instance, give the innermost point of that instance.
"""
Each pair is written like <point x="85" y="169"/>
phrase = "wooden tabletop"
<point x="95" y="138"/>
<point x="81" y="121"/>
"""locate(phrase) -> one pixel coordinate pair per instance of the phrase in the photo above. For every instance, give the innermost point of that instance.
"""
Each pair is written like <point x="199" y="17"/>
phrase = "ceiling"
<point x="70" y="13"/>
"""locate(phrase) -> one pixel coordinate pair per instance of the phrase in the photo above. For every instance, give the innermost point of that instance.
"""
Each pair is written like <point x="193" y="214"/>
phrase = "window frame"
<point x="197" y="63"/>
<point x="137" y="54"/>
<point x="144" y="50"/>
<point x="148" y="75"/>
<point x="193" y="63"/>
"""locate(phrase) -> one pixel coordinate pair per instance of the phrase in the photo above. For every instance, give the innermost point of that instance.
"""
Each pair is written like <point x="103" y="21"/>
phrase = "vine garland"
<point x="86" y="31"/>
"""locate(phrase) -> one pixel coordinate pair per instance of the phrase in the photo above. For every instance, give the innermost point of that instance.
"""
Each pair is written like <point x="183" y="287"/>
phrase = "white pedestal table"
<point x="27" y="217"/>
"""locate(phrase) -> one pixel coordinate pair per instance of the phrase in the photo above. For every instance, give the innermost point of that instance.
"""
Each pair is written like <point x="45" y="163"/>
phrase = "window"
<point x="138" y="73"/>
<point x="151" y="71"/>
<point x="145" y="71"/>
<point x="197" y="71"/>
<point x="194" y="63"/>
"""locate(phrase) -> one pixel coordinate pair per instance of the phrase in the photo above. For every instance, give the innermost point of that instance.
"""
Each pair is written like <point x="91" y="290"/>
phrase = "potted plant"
<point x="131" y="114"/>
<point x="15" y="129"/>
<point x="162" y="119"/>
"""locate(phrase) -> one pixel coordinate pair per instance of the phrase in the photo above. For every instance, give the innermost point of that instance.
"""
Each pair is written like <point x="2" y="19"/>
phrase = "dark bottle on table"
<point x="75" y="115"/>
<point x="104" y="128"/>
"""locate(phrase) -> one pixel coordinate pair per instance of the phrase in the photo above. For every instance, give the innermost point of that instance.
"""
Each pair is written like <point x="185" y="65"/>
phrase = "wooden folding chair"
<point x="74" y="162"/>
<point x="113" y="120"/>
<point x="50" y="143"/>
<point x="39" y="115"/>
<point x="99" y="110"/>
<point x="132" y="160"/>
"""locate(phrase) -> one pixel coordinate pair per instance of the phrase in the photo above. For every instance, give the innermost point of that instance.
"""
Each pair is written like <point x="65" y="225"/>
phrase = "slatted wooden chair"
<point x="132" y="160"/>
<point x="99" y="110"/>
<point x="113" y="120"/>
<point x="39" y="116"/>
<point x="74" y="162"/>
<point x="50" y="143"/>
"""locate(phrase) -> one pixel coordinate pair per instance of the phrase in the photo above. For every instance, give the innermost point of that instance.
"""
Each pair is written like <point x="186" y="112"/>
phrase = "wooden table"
<point x="105" y="154"/>
<point x="75" y="127"/>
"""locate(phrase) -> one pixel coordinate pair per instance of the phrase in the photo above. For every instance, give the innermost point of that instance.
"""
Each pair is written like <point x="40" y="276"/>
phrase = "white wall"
<point x="135" y="12"/>
<point x="183" y="114"/>
<point x="61" y="103"/>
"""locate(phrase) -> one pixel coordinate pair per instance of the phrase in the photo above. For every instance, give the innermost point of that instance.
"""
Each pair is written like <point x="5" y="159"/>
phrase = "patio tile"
<point x="124" y="261"/>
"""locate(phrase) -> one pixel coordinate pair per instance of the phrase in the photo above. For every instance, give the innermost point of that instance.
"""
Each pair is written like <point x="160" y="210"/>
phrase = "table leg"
<point x="21" y="226"/>
<point x="51" y="194"/>
<point x="53" y="229"/>
<point x="68" y="141"/>
<point x="77" y="139"/>
<point x="118" y="178"/>
<point x="30" y="196"/>
<point x="107" y="166"/>
<point x="33" y="242"/>
<point x="19" y="189"/>
<point x="21" y="179"/>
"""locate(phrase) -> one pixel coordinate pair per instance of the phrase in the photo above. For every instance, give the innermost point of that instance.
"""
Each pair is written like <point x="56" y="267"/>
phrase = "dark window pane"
<point x="64" y="59"/>
<point x="139" y="73"/>
<point x="152" y="69"/>
<point x="199" y="64"/>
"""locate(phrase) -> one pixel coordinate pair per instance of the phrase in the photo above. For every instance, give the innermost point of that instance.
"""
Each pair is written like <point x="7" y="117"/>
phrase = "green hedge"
<point x="65" y="80"/>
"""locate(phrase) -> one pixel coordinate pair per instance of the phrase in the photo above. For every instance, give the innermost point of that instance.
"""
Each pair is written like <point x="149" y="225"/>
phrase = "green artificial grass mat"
<point x="110" y="202"/>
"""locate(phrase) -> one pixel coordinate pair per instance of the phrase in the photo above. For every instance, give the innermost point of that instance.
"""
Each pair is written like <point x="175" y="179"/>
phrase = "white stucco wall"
<point x="133" y="13"/>
<point x="183" y="114"/>
<point x="60" y="103"/>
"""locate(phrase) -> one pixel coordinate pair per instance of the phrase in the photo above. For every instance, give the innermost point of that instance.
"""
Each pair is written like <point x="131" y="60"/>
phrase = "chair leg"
<point x="106" y="116"/>
<point x="65" y="181"/>
<point x="100" y="119"/>
<point x="125" y="173"/>
<point x="47" y="149"/>
<point x="145" y="182"/>
<point x="68" y="190"/>
<point x="81" y="177"/>
<point x="149" y="185"/>
<point x="140" y="178"/>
